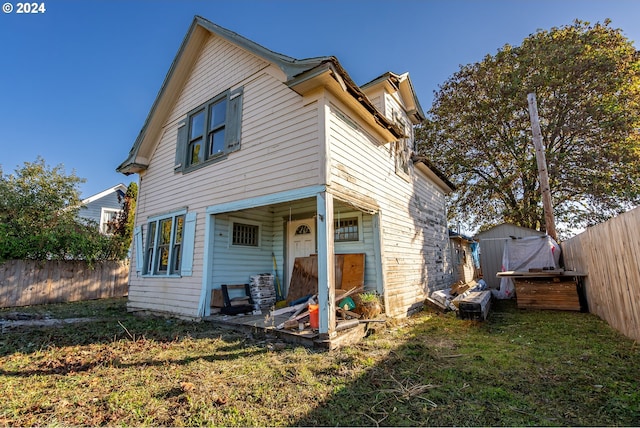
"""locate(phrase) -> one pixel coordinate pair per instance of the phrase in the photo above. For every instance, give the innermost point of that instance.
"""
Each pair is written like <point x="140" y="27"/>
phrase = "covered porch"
<point x="266" y="235"/>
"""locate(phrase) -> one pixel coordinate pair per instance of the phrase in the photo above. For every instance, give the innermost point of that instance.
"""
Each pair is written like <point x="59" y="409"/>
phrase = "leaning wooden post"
<point x="543" y="174"/>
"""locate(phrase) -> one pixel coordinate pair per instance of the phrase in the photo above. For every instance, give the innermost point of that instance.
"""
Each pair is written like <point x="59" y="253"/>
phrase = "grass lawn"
<point x="518" y="368"/>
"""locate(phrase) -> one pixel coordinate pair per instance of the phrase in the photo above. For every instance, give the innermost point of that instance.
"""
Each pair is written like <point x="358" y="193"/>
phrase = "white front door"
<point x="301" y="242"/>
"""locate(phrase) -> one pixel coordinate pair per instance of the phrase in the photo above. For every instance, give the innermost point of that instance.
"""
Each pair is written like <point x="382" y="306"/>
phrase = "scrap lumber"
<point x="349" y="270"/>
<point x="475" y="306"/>
<point x="284" y="310"/>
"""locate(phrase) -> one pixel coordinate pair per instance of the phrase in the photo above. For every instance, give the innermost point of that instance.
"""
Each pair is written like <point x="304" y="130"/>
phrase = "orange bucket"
<point x="313" y="316"/>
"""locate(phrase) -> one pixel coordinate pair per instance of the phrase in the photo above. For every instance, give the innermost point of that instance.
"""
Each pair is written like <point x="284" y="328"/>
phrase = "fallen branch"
<point x="132" y="337"/>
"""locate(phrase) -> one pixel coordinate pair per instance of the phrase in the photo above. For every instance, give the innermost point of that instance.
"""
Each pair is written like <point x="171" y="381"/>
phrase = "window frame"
<point x="105" y="223"/>
<point x="337" y="217"/>
<point x="153" y="247"/>
<point x="206" y="132"/>
<point x="229" y="131"/>
<point x="238" y="220"/>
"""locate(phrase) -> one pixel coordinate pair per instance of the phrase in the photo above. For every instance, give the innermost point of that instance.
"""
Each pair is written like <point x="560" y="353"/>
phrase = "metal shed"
<point x="492" y="246"/>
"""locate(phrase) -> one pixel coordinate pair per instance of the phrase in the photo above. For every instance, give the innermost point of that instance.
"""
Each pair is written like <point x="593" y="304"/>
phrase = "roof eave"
<point x="441" y="179"/>
<point x="332" y="76"/>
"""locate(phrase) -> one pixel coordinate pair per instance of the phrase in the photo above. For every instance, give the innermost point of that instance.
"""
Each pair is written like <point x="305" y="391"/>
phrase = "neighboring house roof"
<point x="302" y="76"/>
<point x="121" y="187"/>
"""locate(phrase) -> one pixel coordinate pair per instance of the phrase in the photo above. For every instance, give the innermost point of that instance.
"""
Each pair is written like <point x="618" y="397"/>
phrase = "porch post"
<point x="326" y="265"/>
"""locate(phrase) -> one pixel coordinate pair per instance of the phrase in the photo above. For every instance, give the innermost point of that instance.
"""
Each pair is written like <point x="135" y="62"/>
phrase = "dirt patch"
<point x="17" y="320"/>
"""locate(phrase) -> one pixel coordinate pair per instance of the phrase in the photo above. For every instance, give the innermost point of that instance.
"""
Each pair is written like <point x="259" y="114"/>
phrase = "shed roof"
<point x="507" y="230"/>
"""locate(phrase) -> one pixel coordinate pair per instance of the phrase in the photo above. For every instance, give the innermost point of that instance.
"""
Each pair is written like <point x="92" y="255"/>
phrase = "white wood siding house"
<point x="248" y="154"/>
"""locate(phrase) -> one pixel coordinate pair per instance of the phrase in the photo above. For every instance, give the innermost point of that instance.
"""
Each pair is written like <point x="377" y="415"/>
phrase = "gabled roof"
<point x="403" y="84"/>
<point x="298" y="72"/>
<point x="121" y="187"/>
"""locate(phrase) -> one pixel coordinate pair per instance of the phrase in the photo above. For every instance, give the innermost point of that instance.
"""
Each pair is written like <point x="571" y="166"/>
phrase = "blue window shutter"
<point x="234" y="121"/>
<point x="137" y="234"/>
<point x="188" y="244"/>
<point x="181" y="147"/>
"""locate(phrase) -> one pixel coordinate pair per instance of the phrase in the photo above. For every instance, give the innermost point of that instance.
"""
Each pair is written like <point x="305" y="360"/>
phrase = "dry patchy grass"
<point x="518" y="368"/>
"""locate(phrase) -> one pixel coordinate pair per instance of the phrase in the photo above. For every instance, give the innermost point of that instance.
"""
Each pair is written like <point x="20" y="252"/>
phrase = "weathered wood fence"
<point x="27" y="282"/>
<point x="610" y="254"/>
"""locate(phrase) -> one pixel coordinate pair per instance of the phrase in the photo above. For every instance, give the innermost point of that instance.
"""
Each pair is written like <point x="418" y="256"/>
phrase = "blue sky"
<point x="78" y="80"/>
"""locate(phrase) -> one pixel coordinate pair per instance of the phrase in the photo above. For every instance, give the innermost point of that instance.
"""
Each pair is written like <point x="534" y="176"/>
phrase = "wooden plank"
<point x="352" y="271"/>
<point x="304" y="278"/>
<point x="543" y="174"/>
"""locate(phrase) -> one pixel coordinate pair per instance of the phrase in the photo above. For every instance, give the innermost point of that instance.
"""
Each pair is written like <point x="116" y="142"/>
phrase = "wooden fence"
<point x="27" y="282"/>
<point x="610" y="254"/>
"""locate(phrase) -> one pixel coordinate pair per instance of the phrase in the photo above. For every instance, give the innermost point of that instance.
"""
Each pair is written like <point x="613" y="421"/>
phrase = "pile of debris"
<point x="306" y="310"/>
<point x="471" y="300"/>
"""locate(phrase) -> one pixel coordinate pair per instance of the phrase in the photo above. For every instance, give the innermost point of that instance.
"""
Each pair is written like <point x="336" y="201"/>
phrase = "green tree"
<point x="38" y="216"/>
<point x="587" y="82"/>
<point x="124" y="223"/>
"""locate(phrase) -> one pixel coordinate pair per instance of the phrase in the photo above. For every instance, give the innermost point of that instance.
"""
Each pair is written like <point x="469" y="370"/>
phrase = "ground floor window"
<point x="346" y="229"/>
<point x="164" y="245"/>
<point x="245" y="233"/>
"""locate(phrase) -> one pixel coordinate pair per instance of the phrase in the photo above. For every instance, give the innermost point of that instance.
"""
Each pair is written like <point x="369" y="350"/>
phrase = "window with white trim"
<point x="245" y="233"/>
<point x="108" y="217"/>
<point x="163" y="250"/>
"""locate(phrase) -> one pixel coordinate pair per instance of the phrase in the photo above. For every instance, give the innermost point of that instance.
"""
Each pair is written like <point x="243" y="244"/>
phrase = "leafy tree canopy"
<point x="38" y="217"/>
<point x="587" y="83"/>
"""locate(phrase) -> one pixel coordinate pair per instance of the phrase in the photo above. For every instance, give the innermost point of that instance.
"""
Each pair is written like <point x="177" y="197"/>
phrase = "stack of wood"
<point x="462" y="287"/>
<point x="475" y="306"/>
<point x="263" y="293"/>
<point x="469" y="300"/>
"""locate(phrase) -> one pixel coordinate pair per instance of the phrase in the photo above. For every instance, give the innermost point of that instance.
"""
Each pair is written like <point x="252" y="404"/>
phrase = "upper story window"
<point x="211" y="131"/>
<point x="404" y="146"/>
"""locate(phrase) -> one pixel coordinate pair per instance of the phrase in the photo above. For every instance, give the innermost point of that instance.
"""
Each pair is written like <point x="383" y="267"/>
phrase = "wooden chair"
<point x="231" y="308"/>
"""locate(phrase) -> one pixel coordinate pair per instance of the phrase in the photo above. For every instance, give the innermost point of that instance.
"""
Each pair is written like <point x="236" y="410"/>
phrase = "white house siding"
<point x="279" y="152"/>
<point x="414" y="233"/>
